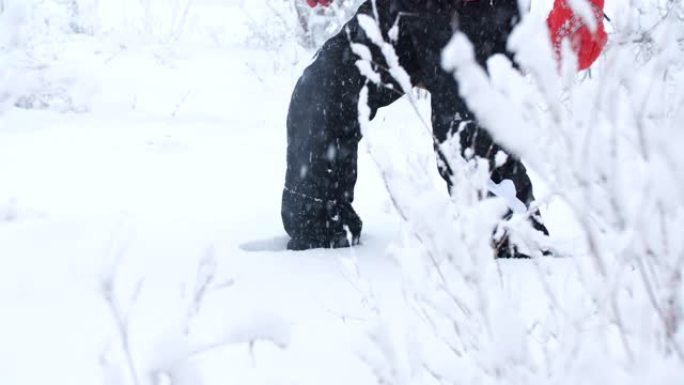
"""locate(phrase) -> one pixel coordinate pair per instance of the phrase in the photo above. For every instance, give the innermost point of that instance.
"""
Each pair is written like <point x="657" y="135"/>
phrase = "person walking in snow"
<point x="323" y="129"/>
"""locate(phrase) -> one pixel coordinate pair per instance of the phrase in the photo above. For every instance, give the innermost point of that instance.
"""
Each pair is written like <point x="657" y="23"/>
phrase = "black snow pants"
<point x="323" y="129"/>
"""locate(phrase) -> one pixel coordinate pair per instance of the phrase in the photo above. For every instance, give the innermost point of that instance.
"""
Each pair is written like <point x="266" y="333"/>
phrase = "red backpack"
<point x="564" y="24"/>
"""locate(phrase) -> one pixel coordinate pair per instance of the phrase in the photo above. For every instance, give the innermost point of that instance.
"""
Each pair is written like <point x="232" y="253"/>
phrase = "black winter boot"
<point x="314" y="223"/>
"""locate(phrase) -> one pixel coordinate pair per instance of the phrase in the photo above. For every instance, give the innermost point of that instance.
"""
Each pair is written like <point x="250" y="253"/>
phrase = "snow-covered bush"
<point x="315" y="26"/>
<point x="281" y="20"/>
<point x="45" y="45"/>
<point x="607" y="145"/>
<point x="154" y="329"/>
<point x="35" y="71"/>
<point x="271" y="27"/>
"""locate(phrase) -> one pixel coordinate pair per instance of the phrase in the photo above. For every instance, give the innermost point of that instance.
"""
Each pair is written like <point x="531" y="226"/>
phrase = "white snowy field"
<point x="173" y="168"/>
<point x="140" y="233"/>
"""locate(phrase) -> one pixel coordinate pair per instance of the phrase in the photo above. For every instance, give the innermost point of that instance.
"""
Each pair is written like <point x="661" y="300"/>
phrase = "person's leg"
<point x="476" y="142"/>
<point x="450" y="114"/>
<point x="452" y="119"/>
<point x="323" y="134"/>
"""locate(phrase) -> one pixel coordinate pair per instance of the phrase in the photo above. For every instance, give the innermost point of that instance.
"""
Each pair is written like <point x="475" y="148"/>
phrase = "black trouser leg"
<point x="322" y="136"/>
<point x="475" y="142"/>
<point x="323" y="133"/>
<point x="451" y="118"/>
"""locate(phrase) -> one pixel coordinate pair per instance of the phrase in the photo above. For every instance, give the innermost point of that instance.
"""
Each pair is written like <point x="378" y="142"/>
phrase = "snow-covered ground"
<point x="173" y="167"/>
<point x="140" y="225"/>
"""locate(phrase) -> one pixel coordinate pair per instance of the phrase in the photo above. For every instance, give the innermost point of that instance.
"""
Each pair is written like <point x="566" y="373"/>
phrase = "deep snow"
<point x="167" y="169"/>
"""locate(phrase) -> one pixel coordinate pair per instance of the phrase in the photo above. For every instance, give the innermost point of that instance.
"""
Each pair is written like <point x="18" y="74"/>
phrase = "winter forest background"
<point x="142" y="154"/>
